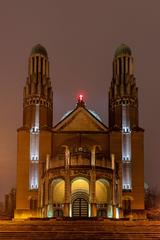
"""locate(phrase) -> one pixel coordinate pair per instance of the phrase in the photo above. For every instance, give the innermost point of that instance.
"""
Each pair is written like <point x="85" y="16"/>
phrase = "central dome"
<point x="39" y="49"/>
<point x="123" y="49"/>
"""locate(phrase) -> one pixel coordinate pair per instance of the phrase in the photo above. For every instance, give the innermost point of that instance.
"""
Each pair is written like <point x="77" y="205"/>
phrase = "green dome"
<point x="39" y="49"/>
<point x="123" y="49"/>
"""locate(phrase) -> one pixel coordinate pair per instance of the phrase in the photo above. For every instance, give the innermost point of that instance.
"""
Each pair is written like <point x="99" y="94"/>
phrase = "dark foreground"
<point x="90" y="229"/>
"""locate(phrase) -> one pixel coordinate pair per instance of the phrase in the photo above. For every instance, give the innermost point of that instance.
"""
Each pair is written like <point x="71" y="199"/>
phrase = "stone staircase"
<point x="91" y="229"/>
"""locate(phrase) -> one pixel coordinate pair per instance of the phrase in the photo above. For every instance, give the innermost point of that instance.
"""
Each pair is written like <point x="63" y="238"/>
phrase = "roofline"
<point x="83" y="107"/>
<point x="81" y="132"/>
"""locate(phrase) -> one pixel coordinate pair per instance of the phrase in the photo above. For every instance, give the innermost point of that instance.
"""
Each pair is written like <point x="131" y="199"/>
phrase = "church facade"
<point x="80" y="167"/>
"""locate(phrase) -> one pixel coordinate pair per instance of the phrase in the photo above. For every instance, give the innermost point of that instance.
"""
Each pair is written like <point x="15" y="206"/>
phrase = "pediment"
<point x="80" y="119"/>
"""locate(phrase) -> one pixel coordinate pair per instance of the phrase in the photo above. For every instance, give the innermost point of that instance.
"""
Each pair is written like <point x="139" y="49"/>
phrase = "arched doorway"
<point x="80" y="207"/>
<point x="80" y="197"/>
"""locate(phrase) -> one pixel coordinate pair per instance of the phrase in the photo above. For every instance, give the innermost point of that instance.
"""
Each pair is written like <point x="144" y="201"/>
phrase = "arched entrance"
<point x="80" y="207"/>
<point x="80" y="197"/>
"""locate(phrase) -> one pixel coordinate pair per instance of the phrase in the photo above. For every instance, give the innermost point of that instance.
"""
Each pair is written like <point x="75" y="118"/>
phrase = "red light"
<point x="81" y="97"/>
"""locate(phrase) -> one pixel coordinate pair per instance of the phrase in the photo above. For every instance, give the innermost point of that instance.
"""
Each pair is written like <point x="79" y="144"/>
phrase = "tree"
<point x="152" y="203"/>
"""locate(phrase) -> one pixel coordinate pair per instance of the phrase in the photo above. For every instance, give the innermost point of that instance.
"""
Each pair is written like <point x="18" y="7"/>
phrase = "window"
<point x="127" y="186"/>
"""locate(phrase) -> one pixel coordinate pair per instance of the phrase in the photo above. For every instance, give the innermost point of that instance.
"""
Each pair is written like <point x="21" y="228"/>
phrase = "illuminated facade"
<point x="80" y="167"/>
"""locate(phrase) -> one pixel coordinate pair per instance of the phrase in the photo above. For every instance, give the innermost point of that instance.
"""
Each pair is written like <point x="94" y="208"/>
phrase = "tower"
<point x="123" y="122"/>
<point x="34" y="137"/>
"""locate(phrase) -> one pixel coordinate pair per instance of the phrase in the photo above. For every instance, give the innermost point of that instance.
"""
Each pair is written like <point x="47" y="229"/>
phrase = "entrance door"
<point x="101" y="213"/>
<point x="58" y="213"/>
<point x="80" y="208"/>
<point x="126" y="206"/>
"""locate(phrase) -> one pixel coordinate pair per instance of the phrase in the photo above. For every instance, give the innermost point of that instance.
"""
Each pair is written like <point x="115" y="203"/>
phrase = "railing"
<point x="79" y="160"/>
<point x="103" y="163"/>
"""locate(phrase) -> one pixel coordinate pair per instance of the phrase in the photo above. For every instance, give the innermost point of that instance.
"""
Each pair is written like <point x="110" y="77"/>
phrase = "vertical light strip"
<point x="126" y="149"/>
<point x="34" y="151"/>
<point x="37" y="116"/>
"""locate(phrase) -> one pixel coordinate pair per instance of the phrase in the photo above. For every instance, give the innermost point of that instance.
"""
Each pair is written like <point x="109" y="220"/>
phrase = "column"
<point x="93" y="193"/>
<point x="67" y="193"/>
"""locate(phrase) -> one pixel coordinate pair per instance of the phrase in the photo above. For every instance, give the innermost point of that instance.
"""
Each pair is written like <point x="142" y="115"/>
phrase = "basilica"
<point x="80" y="167"/>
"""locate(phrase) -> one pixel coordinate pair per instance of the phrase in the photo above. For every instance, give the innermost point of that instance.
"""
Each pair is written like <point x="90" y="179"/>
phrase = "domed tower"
<point x="123" y="119"/>
<point x="123" y="94"/>
<point x="38" y="96"/>
<point x="34" y="137"/>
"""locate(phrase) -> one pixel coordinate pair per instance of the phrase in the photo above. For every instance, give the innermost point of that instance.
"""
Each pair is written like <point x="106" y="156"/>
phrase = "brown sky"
<point x="80" y="37"/>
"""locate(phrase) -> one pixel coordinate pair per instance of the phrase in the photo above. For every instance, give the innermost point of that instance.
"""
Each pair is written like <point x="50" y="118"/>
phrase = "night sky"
<point x="80" y="37"/>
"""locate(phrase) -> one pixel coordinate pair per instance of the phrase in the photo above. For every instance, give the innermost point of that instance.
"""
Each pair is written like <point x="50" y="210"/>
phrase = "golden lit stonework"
<point x="80" y="167"/>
